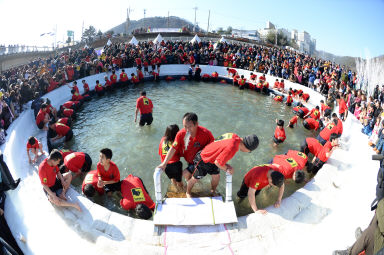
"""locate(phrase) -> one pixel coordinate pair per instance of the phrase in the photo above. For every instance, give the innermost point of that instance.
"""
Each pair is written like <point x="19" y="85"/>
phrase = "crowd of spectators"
<point x="24" y="83"/>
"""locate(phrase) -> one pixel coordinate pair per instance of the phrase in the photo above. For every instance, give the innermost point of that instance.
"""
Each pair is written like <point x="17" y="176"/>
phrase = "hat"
<point x="251" y="142"/>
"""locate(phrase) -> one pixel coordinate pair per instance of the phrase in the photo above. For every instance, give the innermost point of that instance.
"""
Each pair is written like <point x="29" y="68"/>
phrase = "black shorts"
<point x="304" y="147"/>
<point x="317" y="165"/>
<point x="153" y="67"/>
<point x="301" y="113"/>
<point x="158" y="66"/>
<point x="277" y="141"/>
<point x="146" y="69"/>
<point x="190" y="168"/>
<point x="56" y="188"/>
<point x="87" y="164"/>
<point x="202" y="168"/>
<point x="40" y="125"/>
<point x="112" y="187"/>
<point x="69" y="135"/>
<point x="306" y="125"/>
<point x="146" y="119"/>
<point x="243" y="191"/>
<point x="288" y="104"/>
<point x="290" y="125"/>
<point x="321" y="140"/>
<point x="342" y="115"/>
<point x="174" y="171"/>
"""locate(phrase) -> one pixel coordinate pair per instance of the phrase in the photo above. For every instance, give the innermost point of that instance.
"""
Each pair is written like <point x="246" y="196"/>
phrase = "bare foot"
<point x="77" y="207"/>
<point x="62" y="196"/>
<point x="213" y="193"/>
<point x="188" y="195"/>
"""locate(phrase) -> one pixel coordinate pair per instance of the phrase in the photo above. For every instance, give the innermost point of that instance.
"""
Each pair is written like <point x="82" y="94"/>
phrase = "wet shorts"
<point x="40" y="125"/>
<point x="202" y="168"/>
<point x="112" y="187"/>
<point x="87" y="164"/>
<point x="243" y="191"/>
<point x="174" y="171"/>
<point x="277" y="141"/>
<point x="56" y="188"/>
<point x="146" y="119"/>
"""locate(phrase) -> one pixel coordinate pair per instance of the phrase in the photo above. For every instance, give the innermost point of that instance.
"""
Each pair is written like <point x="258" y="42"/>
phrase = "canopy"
<point x="158" y="39"/>
<point x="109" y="42"/>
<point x="196" y="39"/>
<point x="134" y="41"/>
<point x="222" y="39"/>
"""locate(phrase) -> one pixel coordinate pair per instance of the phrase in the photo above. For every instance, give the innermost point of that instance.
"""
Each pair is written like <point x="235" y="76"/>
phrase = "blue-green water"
<point x="108" y="121"/>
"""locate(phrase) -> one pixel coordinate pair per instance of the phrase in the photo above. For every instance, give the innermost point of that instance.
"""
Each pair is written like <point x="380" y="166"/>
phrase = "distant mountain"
<point x="341" y="60"/>
<point x="154" y="22"/>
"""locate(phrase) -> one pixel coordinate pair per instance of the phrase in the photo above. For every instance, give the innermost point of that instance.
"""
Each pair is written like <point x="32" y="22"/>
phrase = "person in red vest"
<point x="89" y="186"/>
<point x="34" y="146"/>
<point x="108" y="83"/>
<point x="329" y="129"/>
<point x="61" y="131"/>
<point x="279" y="136"/>
<point x="304" y="96"/>
<point x="311" y="145"/>
<point x="113" y="77"/>
<point x="174" y="168"/>
<point x="74" y="86"/>
<point x="289" y="168"/>
<point x="108" y="173"/>
<point x="311" y="124"/>
<point x="135" y="197"/>
<point x="343" y="109"/>
<point x="215" y="76"/>
<point x="265" y="88"/>
<point x="300" y="157"/>
<point x="323" y="155"/>
<point x="123" y="77"/>
<point x="134" y="79"/>
<point x="78" y="162"/>
<point x="323" y="108"/>
<point x="258" y="178"/>
<point x="42" y="117"/>
<point x="289" y="99"/>
<point x="281" y="86"/>
<point x="231" y="72"/>
<point x="206" y="77"/>
<point x="293" y="121"/>
<point x="140" y="75"/>
<point x="339" y="124"/>
<point x="300" y="110"/>
<point x="72" y="105"/>
<point x="314" y="113"/>
<point x="77" y="97"/>
<point x="99" y="88"/>
<point x="278" y="98"/>
<point x="214" y="157"/>
<point x="242" y="82"/>
<point x="145" y="106"/>
<point x="53" y="181"/>
<point x="64" y="112"/>
<point x="276" y="84"/>
<point x="155" y="75"/>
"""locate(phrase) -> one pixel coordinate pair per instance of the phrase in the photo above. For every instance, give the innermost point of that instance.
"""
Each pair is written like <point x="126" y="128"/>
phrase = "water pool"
<point x="108" y="121"/>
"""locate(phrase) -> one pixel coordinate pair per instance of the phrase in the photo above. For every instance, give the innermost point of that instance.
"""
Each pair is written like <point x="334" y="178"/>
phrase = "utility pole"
<point x="127" y="23"/>
<point x="209" y="14"/>
<point x="168" y="19"/>
<point x="144" y="17"/>
<point x="194" y="26"/>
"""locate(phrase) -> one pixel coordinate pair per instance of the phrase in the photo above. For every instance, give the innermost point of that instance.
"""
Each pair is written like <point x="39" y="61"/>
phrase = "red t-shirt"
<point x="276" y="85"/>
<point x="314" y="113"/>
<point x="281" y="85"/>
<point x="305" y="96"/>
<point x="339" y="127"/>
<point x="232" y="71"/>
<point x="312" y="123"/>
<point x="65" y="152"/>
<point x="342" y="106"/>
<point x="47" y="173"/>
<point x="288" y="165"/>
<point x="134" y="193"/>
<point x="75" y="161"/>
<point x="35" y="146"/>
<point x="68" y="112"/>
<point x="92" y="178"/>
<point x="63" y="121"/>
<point x="278" y="98"/>
<point x="123" y="77"/>
<point x="86" y="87"/>
<point x="40" y="116"/>
<point x="293" y="120"/>
<point x="322" y="154"/>
<point x="70" y="104"/>
<point x="144" y="104"/>
<point x="77" y="97"/>
<point x="113" y="78"/>
<point x="203" y="137"/>
<point x="280" y="134"/>
<point x="257" y="178"/>
<point x="62" y="129"/>
<point x="222" y="149"/>
<point x="314" y="145"/>
<point x="289" y="99"/>
<point x="76" y="88"/>
<point x="299" y="157"/>
<point x="329" y="129"/>
<point x="99" y="87"/>
<point x="163" y="150"/>
<point x="112" y="174"/>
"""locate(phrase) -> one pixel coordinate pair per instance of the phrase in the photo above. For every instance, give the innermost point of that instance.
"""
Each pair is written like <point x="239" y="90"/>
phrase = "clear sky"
<point x="342" y="27"/>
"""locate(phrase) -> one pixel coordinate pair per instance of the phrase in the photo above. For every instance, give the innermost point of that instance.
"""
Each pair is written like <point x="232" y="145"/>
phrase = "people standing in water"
<point x="215" y="156"/>
<point x="174" y="168"/>
<point x="188" y="141"/>
<point x="145" y="106"/>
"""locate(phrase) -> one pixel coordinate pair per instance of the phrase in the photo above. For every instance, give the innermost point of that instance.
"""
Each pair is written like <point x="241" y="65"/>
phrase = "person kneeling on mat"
<point x="216" y="155"/>
<point x="256" y="179"/>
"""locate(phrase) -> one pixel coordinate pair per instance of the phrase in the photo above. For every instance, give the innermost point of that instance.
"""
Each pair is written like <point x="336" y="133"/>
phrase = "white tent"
<point x="109" y="42"/>
<point x="134" y="41"/>
<point x="196" y="39"/>
<point x="158" y="39"/>
<point x="222" y="39"/>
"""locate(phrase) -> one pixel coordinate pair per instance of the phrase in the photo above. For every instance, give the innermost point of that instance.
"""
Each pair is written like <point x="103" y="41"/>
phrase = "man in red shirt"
<point x="314" y="113"/>
<point x="311" y="123"/>
<point x="289" y="168"/>
<point x="53" y="182"/>
<point x="89" y="186"/>
<point x="61" y="131"/>
<point x="329" y="129"/>
<point x="188" y="141"/>
<point x="293" y="121"/>
<point x="231" y="72"/>
<point x="215" y="156"/>
<point x="107" y="172"/>
<point x="123" y="78"/>
<point x="145" y="106"/>
<point x="256" y="179"/>
<point x="113" y="77"/>
<point x="311" y="145"/>
<point x="134" y="195"/>
<point x="279" y="136"/>
<point x="78" y="162"/>
<point x="343" y="109"/>
<point x="323" y="155"/>
<point x="34" y="145"/>
<point x="42" y="117"/>
<point x="323" y="108"/>
<point x="339" y="124"/>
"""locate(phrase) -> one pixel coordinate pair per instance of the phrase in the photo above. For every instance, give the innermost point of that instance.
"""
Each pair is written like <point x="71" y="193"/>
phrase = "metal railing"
<point x="159" y="197"/>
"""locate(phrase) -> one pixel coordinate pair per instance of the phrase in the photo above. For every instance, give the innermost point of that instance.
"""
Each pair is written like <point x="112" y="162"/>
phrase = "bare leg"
<point x="187" y="175"/>
<point x="62" y="203"/>
<point x="190" y="185"/>
<point x="214" y="182"/>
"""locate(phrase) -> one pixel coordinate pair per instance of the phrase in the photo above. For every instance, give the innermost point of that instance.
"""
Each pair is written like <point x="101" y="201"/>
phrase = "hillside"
<point x="154" y="22"/>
